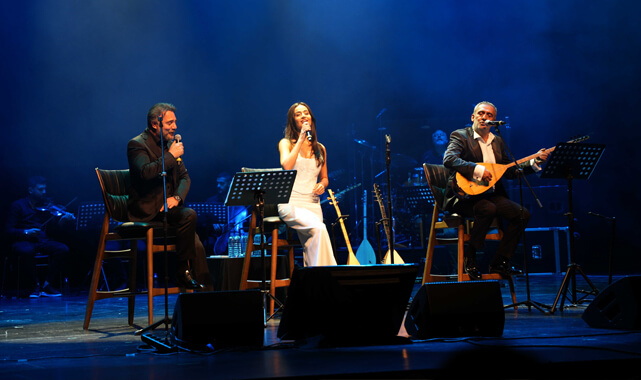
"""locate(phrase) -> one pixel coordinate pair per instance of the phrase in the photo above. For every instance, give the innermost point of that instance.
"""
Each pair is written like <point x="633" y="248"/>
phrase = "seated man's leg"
<point x="509" y="211"/>
<point x="184" y="220"/>
<point x="25" y="251"/>
<point x="199" y="266"/>
<point x="484" y="212"/>
<point x="58" y="256"/>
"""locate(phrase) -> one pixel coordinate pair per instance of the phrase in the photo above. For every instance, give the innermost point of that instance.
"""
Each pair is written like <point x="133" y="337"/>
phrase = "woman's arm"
<point x="323" y="179"/>
<point x="288" y="153"/>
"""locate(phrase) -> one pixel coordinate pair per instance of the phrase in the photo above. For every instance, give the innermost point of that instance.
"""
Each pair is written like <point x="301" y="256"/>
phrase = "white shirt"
<point x="488" y="156"/>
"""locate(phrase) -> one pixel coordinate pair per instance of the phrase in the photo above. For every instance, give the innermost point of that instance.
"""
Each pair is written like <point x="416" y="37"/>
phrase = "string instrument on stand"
<point x="466" y="187"/>
<point x="388" y="230"/>
<point x="365" y="253"/>
<point x="351" y="259"/>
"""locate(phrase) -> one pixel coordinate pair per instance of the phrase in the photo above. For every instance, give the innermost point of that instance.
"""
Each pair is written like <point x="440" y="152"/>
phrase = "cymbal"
<point x="399" y="159"/>
<point x="364" y="143"/>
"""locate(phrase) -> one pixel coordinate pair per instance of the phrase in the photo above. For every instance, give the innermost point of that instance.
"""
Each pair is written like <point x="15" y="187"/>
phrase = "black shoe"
<point x="185" y="280"/>
<point x="35" y="293"/>
<point x="49" y="291"/>
<point x="471" y="268"/>
<point x="502" y="266"/>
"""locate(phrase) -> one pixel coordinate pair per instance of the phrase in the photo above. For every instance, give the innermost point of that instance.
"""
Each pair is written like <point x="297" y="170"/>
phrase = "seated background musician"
<point x="28" y="226"/>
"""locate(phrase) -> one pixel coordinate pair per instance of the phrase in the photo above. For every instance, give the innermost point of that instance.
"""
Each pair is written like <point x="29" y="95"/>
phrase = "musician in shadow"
<point x="434" y="155"/>
<point x="29" y="226"/>
<point x="467" y="150"/>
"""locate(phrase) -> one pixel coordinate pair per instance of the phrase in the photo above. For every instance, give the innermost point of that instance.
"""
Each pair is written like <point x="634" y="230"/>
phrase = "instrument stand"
<point x="259" y="188"/>
<point x="163" y="345"/>
<point x="573" y="161"/>
<point x="528" y="302"/>
<point x="337" y="221"/>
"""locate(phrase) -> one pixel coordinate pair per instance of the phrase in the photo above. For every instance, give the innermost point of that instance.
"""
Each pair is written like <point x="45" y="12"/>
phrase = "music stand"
<point x="572" y="161"/>
<point x="418" y="197"/>
<point x="260" y="188"/>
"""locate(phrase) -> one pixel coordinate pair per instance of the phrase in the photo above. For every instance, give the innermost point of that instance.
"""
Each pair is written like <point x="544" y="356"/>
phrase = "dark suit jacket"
<point x="145" y="166"/>
<point x="462" y="155"/>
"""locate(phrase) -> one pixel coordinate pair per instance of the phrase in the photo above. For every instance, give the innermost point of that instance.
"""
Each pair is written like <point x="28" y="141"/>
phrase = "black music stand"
<point x="260" y="188"/>
<point x="572" y="161"/>
<point x="418" y="197"/>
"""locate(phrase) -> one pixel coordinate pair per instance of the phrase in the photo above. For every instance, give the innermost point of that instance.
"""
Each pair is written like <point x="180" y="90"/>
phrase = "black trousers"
<point x="190" y="253"/>
<point x="58" y="255"/>
<point x="484" y="209"/>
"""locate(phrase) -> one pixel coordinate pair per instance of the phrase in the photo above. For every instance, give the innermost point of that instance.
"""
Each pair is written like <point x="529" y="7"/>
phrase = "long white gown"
<point x="303" y="213"/>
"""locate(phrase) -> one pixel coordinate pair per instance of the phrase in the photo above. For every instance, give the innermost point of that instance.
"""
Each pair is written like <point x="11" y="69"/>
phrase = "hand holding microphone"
<point x="177" y="148"/>
<point x="308" y="132"/>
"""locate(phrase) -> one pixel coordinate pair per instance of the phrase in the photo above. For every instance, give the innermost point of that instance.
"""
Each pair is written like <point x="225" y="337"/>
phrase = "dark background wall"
<point x="79" y="76"/>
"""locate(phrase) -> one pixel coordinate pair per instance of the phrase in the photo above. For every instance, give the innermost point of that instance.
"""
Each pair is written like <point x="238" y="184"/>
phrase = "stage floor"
<point x="43" y="338"/>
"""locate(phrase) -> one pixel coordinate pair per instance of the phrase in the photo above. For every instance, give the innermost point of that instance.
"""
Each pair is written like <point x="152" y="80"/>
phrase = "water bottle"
<point x="536" y="252"/>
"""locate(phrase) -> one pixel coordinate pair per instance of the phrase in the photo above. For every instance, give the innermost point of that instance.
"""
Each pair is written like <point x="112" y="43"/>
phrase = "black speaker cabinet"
<point x="347" y="305"/>
<point x="456" y="309"/>
<point x="617" y="307"/>
<point x="218" y="319"/>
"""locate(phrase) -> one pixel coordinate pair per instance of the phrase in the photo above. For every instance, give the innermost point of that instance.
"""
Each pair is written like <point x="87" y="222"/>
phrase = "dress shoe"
<point x="502" y="266"/>
<point x="185" y="280"/>
<point x="471" y="268"/>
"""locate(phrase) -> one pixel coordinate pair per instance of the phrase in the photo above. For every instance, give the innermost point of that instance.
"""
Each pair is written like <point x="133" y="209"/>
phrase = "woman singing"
<point x="300" y="150"/>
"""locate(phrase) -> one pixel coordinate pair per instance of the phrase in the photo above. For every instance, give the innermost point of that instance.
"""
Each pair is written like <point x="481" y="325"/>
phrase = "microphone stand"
<point x="388" y="161"/>
<point x="164" y="345"/>
<point x="528" y="302"/>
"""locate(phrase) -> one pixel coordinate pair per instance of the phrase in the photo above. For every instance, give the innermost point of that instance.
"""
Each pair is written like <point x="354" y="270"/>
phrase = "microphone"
<point x="177" y="139"/>
<point x="495" y="122"/>
<point x="381" y="113"/>
<point x="308" y="133"/>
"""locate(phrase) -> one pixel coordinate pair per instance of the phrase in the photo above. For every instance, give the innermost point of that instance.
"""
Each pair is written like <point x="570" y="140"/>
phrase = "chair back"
<point x="436" y="176"/>
<point x="114" y="185"/>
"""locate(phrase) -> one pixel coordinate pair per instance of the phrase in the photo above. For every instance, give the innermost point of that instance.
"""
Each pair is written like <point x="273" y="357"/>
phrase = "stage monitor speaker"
<point x="617" y="307"/>
<point x="218" y="320"/>
<point x="456" y="309"/>
<point x="347" y="305"/>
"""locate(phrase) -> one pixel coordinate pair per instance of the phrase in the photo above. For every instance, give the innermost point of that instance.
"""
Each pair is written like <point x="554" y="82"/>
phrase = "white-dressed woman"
<point x="303" y="212"/>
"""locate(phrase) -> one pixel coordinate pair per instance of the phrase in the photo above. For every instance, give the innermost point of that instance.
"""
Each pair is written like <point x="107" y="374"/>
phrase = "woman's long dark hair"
<point x="292" y="132"/>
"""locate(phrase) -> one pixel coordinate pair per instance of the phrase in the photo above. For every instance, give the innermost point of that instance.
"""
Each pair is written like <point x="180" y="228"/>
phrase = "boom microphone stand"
<point x="528" y="302"/>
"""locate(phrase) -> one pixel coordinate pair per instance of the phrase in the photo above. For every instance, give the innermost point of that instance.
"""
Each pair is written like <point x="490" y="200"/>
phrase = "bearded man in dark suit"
<point x="146" y="197"/>
<point x="467" y="150"/>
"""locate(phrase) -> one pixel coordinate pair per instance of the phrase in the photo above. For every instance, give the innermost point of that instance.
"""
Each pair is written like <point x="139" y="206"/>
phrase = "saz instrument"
<point x="465" y="186"/>
<point x="388" y="230"/>
<point x="351" y="259"/>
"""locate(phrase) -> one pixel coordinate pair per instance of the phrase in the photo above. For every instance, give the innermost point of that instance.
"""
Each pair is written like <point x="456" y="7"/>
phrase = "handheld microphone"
<point x="177" y="139"/>
<point x="308" y="133"/>
<point x="494" y="122"/>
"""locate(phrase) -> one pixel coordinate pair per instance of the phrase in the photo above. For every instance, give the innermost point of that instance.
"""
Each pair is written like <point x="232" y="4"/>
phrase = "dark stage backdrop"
<point x="78" y="77"/>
